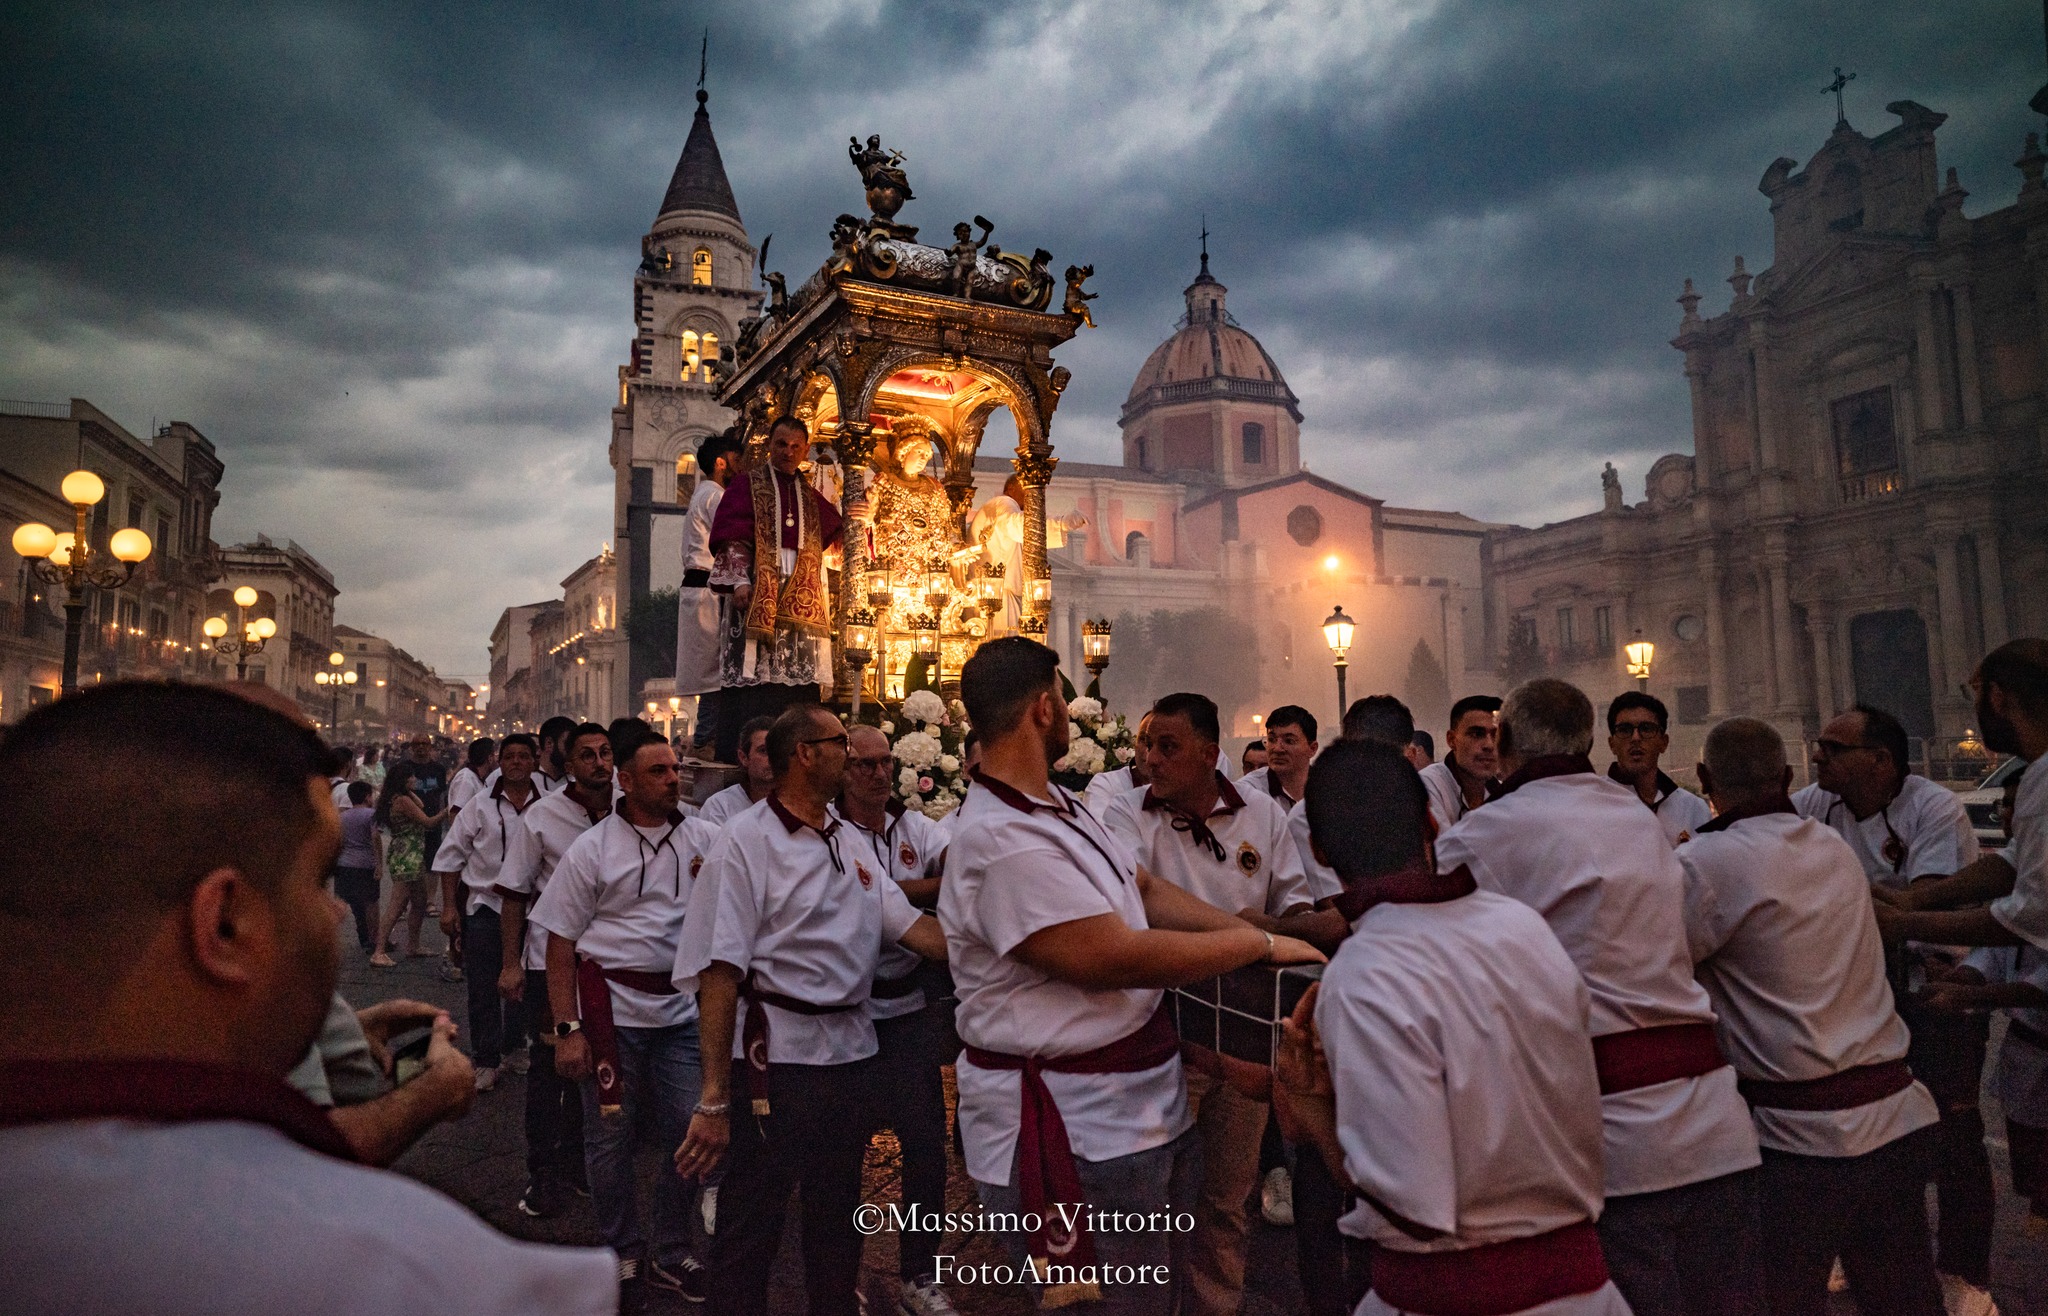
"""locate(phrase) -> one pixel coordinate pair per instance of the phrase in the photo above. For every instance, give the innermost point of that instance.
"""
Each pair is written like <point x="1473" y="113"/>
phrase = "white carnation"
<point x="907" y="779"/>
<point x="1084" y="755"/>
<point x="1083" y="709"/>
<point x="923" y="707"/>
<point x="918" y="749"/>
<point x="1075" y="731"/>
<point x="1124" y="753"/>
<point x="948" y="764"/>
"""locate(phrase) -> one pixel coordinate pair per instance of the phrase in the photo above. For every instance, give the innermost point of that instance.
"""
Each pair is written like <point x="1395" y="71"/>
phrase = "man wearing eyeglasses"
<point x="792" y="913"/>
<point x="1638" y="733"/>
<point x="1904" y="828"/>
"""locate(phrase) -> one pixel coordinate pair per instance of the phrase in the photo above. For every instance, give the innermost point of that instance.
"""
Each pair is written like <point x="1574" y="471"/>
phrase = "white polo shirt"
<point x="553" y="822"/>
<point x="1253" y="862"/>
<point x="726" y="805"/>
<point x="1319" y="879"/>
<point x="1446" y="797"/>
<point x="466" y="786"/>
<point x="1679" y="812"/>
<point x="1582" y="851"/>
<point x="476" y="846"/>
<point x="2024" y="912"/>
<point x="621" y="893"/>
<point x="806" y="914"/>
<point x="908" y="849"/>
<point x="1926" y="828"/>
<point x="1014" y="866"/>
<point x="1261" y="781"/>
<point x="543" y="781"/>
<point x="1467" y="1098"/>
<point x="1104" y="787"/>
<point x="1779" y="920"/>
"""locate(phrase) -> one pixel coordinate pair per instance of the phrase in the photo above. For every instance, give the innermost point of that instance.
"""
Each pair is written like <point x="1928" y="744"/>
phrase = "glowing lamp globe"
<point x="1337" y="631"/>
<point x="130" y="545"/>
<point x="215" y="627"/>
<point x="1640" y="653"/>
<point x="34" y="539"/>
<point x="83" y="488"/>
<point x="60" y="552"/>
<point x="348" y="678"/>
<point x="335" y="659"/>
<point x="245" y="597"/>
<point x="264" y="628"/>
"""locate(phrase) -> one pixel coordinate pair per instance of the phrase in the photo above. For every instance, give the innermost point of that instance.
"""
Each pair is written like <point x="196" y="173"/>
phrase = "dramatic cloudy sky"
<point x="381" y="254"/>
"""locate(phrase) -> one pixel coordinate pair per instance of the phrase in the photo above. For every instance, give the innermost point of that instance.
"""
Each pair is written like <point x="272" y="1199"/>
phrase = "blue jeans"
<point x="661" y="1074"/>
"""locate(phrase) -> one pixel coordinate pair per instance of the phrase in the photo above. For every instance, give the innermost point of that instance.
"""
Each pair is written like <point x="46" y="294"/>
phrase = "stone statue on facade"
<point x="1077" y="301"/>
<point x="966" y="253"/>
<point x="1610" y="487"/>
<point x="881" y="173"/>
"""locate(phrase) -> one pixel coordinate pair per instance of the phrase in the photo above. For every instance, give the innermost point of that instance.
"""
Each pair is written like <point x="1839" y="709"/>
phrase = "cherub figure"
<point x="966" y="254"/>
<point x="1077" y="301"/>
<point x="778" y="295"/>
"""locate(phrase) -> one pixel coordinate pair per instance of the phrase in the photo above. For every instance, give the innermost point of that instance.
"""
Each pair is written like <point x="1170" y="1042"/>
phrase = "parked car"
<point x="1982" y="804"/>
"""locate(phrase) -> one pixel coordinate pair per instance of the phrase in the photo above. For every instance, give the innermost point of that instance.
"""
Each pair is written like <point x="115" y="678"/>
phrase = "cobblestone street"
<point x="479" y="1161"/>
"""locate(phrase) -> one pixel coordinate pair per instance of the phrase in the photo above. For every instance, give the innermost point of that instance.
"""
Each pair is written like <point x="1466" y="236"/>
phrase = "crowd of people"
<point x="1583" y="1040"/>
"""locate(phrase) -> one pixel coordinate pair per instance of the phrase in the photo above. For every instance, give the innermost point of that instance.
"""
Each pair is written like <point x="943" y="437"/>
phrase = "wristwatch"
<point x="565" y="1027"/>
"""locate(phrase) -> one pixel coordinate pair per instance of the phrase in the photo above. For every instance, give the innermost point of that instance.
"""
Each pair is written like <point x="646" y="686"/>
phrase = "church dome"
<point x="1209" y="355"/>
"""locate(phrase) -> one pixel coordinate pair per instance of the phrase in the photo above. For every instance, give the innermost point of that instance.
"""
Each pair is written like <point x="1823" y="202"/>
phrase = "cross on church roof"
<point x="1841" y="80"/>
<point x="704" y="59"/>
<point x="1205" y="242"/>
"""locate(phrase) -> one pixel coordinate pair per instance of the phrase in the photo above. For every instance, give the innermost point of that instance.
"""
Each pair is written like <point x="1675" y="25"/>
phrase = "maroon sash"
<point x="1045" y="1159"/>
<point x="754" y="1032"/>
<point x="1642" y="1057"/>
<point x="1845" y="1090"/>
<point x="594" y="998"/>
<point x="1493" y="1279"/>
<point x="164" y="1092"/>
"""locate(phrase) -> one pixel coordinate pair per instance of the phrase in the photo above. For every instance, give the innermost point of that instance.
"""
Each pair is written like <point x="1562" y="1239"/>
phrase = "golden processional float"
<point x="894" y="355"/>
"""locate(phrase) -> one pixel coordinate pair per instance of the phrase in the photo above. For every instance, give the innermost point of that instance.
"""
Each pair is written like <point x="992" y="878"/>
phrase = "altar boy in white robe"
<point x="1443" y="1070"/>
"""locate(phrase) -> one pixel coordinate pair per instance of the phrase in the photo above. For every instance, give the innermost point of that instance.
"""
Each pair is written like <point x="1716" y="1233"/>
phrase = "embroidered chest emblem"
<point x="1894" y="852"/>
<point x="1248" y="859"/>
<point x="696" y="866"/>
<point x="867" y="879"/>
<point x="908" y="855"/>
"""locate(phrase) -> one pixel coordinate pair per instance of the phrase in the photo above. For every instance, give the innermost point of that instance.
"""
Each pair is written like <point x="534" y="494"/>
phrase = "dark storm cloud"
<point x="382" y="253"/>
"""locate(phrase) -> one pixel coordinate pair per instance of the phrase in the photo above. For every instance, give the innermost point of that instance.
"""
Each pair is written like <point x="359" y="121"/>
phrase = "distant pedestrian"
<point x="355" y="871"/>
<point x="469" y="780"/>
<point x="405" y="821"/>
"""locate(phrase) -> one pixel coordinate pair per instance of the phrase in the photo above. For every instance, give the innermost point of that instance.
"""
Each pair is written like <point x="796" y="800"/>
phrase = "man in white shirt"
<point x="744" y="794"/>
<point x="1470" y="764"/>
<point x="1106" y="786"/>
<point x="1290" y="748"/>
<point x="1060" y="946"/>
<point x="791" y="914"/>
<point x="1195" y="830"/>
<point x="161" y="992"/>
<point x="614" y="911"/>
<point x="1679" y="1227"/>
<point x="1778" y="919"/>
<point x="911" y="1027"/>
<point x="700" y="615"/>
<point x="1455" y="1092"/>
<point x="341" y="775"/>
<point x="1902" y="829"/>
<point x="554" y="1103"/>
<point x="1638" y="733"/>
<point x="469" y="779"/>
<point x="470" y="864"/>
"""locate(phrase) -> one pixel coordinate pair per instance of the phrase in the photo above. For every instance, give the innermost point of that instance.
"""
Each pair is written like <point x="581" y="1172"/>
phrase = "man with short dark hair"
<point x="1373" y="720"/>
<point x="171" y="953"/>
<point x="469" y="780"/>
<point x="791" y="916"/>
<point x="1194" y="829"/>
<point x="1290" y="748"/>
<point x="341" y="773"/>
<point x="700" y="610"/>
<point x="744" y="794"/>
<point x="1458" y="1098"/>
<point x="1638" y="733"/>
<point x="470" y="866"/>
<point x="553" y="772"/>
<point x="614" y="911"/>
<point x="1380" y="720"/>
<point x="1779" y="924"/>
<point x="1471" y="763"/>
<point x="1580" y="849"/>
<point x="1252" y="758"/>
<point x="1061" y="945"/>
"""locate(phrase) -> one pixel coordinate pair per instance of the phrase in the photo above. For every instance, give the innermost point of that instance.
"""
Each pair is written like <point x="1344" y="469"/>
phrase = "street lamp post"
<point x="1641" y="653"/>
<point x="1095" y="648"/>
<point x="71" y="561"/>
<point x="249" y="636"/>
<point x="334" y="681"/>
<point x="1337" y="630"/>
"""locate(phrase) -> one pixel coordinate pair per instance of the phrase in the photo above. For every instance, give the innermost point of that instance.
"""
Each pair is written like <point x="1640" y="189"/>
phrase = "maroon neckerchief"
<point x="1723" y="821"/>
<point x="1228" y="801"/>
<point x="1417" y="884"/>
<point x="596" y="816"/>
<point x="1666" y="788"/>
<point x="1067" y="810"/>
<point x="162" y="1091"/>
<point x="1546" y="765"/>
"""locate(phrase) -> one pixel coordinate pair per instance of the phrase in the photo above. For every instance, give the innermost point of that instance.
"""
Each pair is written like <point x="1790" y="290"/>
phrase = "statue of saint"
<point x="997" y="528"/>
<point x="910" y="517"/>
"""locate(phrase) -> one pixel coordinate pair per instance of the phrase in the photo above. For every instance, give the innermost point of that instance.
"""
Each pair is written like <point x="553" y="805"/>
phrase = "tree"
<point x="1206" y="650"/>
<point x="651" y="632"/>
<point x="1428" y="689"/>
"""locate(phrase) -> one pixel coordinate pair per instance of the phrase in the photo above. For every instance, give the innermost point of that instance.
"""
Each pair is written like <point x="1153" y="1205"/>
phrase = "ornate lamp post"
<point x="334" y="681"/>
<point x="1337" y="630"/>
<point x="70" y="560"/>
<point x="1095" y="647"/>
<point x="249" y="636"/>
<point x="1640" y="653"/>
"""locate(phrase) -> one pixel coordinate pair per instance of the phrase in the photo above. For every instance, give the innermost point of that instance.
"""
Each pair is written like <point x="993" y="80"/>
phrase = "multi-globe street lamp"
<point x="1337" y="630"/>
<point x="70" y="560"/>
<point x="334" y="681"/>
<point x="249" y="636"/>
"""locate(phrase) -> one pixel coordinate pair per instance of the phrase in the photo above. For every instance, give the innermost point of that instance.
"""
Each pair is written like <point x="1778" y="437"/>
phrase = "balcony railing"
<point x="1873" y="484"/>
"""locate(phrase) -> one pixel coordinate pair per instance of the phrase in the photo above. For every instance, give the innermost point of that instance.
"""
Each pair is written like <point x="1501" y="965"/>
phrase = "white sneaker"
<point x="1276" y="1197"/>
<point x="1963" y="1298"/>
<point x="707" y="1206"/>
<point x="925" y="1300"/>
<point x="486" y="1079"/>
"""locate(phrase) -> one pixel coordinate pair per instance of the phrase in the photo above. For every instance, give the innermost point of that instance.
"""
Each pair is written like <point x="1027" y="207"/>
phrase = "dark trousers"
<point x="483" y="955"/>
<point x="1335" y="1270"/>
<point x="814" y="1137"/>
<point x="710" y="717"/>
<point x="1865" y="1209"/>
<point x="1947" y="1054"/>
<point x="554" y="1108"/>
<point x="357" y="888"/>
<point x="1689" y="1251"/>
<point x="741" y="704"/>
<point x="911" y="1100"/>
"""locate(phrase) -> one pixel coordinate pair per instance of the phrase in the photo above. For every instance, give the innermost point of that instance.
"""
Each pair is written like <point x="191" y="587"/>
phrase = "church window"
<point x="1305" y="525"/>
<point x="1693" y="709"/>
<point x="1525" y="633"/>
<point x="1603" y="629"/>
<point x="1144" y="463"/>
<point x="1254" y="443"/>
<point x="686" y="477"/>
<point x="710" y="350"/>
<point x="1565" y="636"/>
<point x="690" y="354"/>
<point x="700" y="267"/>
<point x="1866" y="446"/>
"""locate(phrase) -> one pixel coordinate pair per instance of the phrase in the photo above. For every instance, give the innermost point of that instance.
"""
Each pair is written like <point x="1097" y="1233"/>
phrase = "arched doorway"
<point x="1888" y="663"/>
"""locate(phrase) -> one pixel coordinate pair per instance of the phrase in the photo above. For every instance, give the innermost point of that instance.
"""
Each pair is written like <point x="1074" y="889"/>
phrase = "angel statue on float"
<point x="908" y="515"/>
